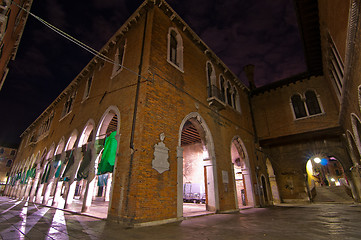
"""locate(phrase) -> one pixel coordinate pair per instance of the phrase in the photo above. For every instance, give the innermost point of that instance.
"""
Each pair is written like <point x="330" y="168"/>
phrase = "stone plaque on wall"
<point x="160" y="161"/>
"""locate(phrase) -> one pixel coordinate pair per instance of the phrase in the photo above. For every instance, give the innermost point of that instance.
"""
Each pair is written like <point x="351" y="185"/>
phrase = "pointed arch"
<point x="242" y="173"/>
<point x="209" y="162"/>
<point x="87" y="135"/>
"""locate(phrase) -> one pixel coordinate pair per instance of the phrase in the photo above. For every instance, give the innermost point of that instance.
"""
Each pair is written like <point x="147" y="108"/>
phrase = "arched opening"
<point x="53" y="174"/>
<point x="197" y="193"/>
<point x="44" y="174"/>
<point x="63" y="173"/>
<point x="76" y="174"/>
<point x="273" y="183"/>
<point x="106" y="148"/>
<point x="242" y="178"/>
<point x="327" y="180"/>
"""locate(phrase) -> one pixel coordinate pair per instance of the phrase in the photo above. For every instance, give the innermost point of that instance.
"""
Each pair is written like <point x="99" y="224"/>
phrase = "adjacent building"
<point x="13" y="16"/>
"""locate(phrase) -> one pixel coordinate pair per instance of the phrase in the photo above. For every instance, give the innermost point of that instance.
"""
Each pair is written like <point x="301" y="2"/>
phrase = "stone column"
<point x="28" y="187"/>
<point x="108" y="187"/>
<point x="179" y="182"/>
<point x="90" y="182"/>
<point x="59" y="184"/>
<point x="50" y="183"/>
<point x="35" y="183"/>
<point x="356" y="176"/>
<point x="72" y="182"/>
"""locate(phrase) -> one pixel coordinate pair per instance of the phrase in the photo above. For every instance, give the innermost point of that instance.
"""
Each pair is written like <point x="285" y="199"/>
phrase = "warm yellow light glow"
<point x="333" y="180"/>
<point x="317" y="160"/>
<point x="309" y="168"/>
<point x="337" y="183"/>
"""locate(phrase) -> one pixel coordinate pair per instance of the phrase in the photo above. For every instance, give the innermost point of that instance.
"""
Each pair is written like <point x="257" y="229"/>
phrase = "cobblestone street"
<point x="21" y="220"/>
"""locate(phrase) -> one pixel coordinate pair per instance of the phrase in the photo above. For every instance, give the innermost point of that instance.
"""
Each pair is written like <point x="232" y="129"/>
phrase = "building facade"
<point x="7" y="157"/>
<point x="12" y="24"/>
<point x="158" y="120"/>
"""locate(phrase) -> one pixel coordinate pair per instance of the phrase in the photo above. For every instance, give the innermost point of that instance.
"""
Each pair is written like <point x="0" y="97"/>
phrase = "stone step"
<point x="332" y="194"/>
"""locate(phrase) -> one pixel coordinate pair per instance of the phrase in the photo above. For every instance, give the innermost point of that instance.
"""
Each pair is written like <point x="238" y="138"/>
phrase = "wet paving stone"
<point x="21" y="220"/>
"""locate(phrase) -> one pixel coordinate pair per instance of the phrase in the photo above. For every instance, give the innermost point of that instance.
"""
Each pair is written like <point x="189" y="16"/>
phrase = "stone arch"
<point x="71" y="141"/>
<point x="355" y="154"/>
<point x="356" y="129"/>
<point x="105" y="121"/>
<point x="242" y="174"/>
<point x="50" y="153"/>
<point x="209" y="162"/>
<point x="86" y="133"/>
<point x="273" y="182"/>
<point x="60" y="146"/>
<point x="109" y="122"/>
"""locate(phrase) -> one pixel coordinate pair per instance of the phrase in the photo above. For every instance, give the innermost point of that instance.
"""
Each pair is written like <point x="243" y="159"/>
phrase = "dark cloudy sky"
<point x="240" y="32"/>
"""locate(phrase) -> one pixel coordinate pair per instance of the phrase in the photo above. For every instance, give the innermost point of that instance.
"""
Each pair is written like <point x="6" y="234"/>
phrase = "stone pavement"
<point x="22" y="220"/>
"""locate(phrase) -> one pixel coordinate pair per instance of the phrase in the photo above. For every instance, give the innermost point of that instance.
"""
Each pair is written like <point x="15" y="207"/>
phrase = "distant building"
<point x="12" y="23"/>
<point x="181" y="127"/>
<point x="7" y="157"/>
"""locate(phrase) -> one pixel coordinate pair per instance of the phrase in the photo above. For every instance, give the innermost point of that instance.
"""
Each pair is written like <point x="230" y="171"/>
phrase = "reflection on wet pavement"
<point x="23" y="220"/>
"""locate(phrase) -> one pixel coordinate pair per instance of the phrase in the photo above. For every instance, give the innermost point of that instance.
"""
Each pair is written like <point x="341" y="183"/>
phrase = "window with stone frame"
<point x="119" y="57"/>
<point x="312" y="103"/>
<point x="87" y="87"/>
<point x="68" y="105"/>
<point x="175" y="49"/>
<point x="298" y="106"/>
<point x="222" y="88"/>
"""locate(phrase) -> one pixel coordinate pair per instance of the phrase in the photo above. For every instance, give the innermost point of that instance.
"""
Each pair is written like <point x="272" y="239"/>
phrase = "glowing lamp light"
<point x="324" y="161"/>
<point x="317" y="160"/>
<point x="333" y="180"/>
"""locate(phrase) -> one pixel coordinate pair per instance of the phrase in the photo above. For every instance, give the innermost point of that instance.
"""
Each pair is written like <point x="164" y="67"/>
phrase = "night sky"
<point x="240" y="32"/>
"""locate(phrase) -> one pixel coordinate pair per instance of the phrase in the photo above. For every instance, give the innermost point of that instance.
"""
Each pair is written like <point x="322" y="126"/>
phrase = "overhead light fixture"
<point x="317" y="160"/>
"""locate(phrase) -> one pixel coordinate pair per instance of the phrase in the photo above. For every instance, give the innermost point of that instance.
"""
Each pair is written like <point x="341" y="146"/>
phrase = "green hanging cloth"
<point x="57" y="164"/>
<point x="32" y="172"/>
<point x="69" y="159"/>
<point x="108" y="158"/>
<point x="102" y="180"/>
<point x="83" y="171"/>
<point x="45" y="176"/>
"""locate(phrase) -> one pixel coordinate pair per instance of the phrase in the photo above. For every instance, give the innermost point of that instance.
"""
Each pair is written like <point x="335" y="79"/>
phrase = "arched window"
<point x="221" y="88"/>
<point x="236" y="103"/>
<point x="313" y="106"/>
<point x="211" y="76"/>
<point x="8" y="163"/>
<point x="87" y="87"/>
<point x="175" y="49"/>
<point x="229" y="94"/>
<point x="119" y="58"/>
<point x="12" y="152"/>
<point x="298" y="106"/>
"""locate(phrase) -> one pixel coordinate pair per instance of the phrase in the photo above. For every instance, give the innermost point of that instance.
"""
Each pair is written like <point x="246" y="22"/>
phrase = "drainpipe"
<point x="132" y="150"/>
<point x="249" y="71"/>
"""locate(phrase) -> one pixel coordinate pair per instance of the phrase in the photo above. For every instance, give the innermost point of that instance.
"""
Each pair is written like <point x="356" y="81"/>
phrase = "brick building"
<point x="7" y="157"/>
<point x="158" y="119"/>
<point x="12" y="23"/>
